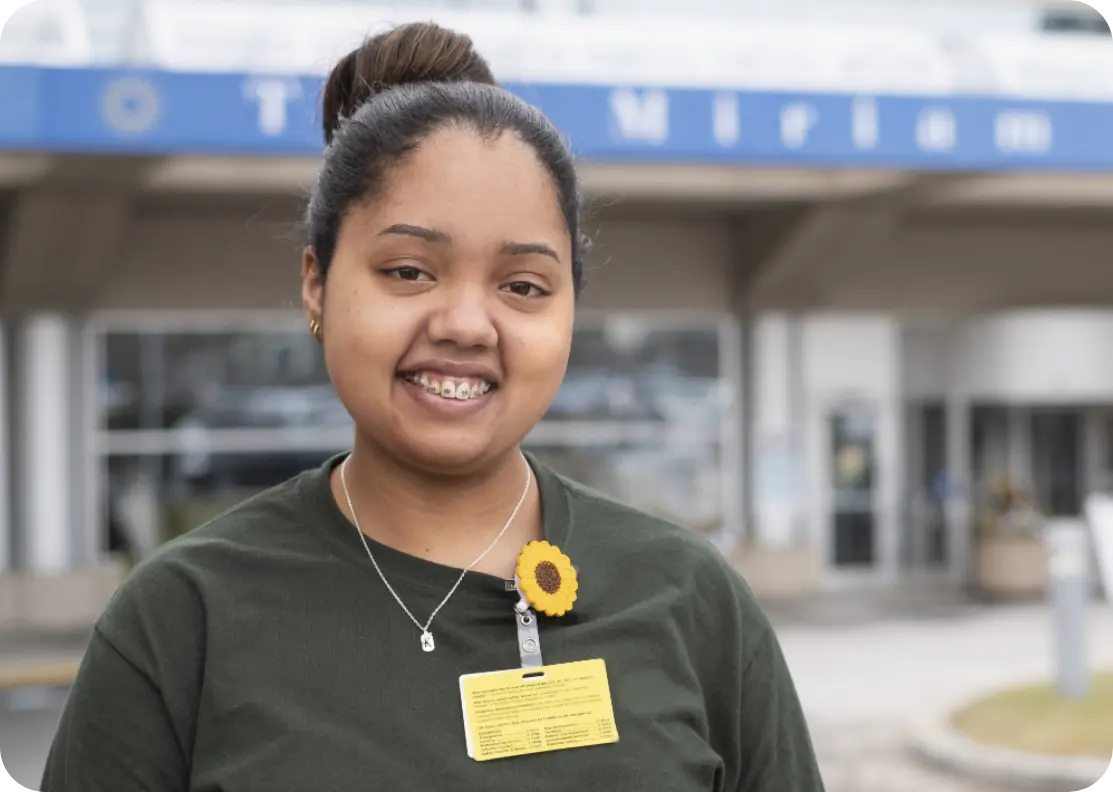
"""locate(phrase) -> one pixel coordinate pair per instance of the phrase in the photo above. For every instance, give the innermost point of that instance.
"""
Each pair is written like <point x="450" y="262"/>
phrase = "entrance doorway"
<point x="1045" y="453"/>
<point x="925" y="543"/>
<point x="853" y="502"/>
<point x="1058" y="483"/>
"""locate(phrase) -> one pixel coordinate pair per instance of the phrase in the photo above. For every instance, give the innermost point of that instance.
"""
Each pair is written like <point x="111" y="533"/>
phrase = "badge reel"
<point x="537" y="708"/>
<point x="529" y="637"/>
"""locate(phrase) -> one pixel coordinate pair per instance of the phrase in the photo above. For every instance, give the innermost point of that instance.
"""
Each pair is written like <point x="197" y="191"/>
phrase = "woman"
<point x="329" y="634"/>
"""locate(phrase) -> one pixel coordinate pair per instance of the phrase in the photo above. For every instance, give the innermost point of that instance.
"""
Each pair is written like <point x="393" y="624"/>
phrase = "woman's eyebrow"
<point x="433" y="235"/>
<point x="420" y="232"/>
<point x="529" y="248"/>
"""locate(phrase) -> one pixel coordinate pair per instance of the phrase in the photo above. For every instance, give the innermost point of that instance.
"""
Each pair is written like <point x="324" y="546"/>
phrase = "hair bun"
<point x="410" y="53"/>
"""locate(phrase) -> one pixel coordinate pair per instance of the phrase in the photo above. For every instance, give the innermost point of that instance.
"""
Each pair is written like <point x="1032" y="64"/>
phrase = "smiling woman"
<point x="378" y="615"/>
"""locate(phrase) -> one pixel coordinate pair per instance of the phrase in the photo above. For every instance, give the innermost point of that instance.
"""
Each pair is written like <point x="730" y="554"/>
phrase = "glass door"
<point x="852" y="483"/>
<point x="925" y="542"/>
<point x="1057" y="461"/>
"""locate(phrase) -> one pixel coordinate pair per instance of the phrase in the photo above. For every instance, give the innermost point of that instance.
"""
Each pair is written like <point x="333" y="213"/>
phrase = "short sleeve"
<point x="776" y="750"/>
<point x="128" y="722"/>
<point x="754" y="713"/>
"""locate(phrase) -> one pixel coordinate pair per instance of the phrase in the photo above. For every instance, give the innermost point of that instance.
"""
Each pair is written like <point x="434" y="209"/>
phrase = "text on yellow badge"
<point x="529" y="711"/>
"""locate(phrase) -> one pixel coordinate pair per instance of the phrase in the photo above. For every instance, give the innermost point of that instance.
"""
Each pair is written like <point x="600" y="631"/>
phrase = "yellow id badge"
<point x="535" y="710"/>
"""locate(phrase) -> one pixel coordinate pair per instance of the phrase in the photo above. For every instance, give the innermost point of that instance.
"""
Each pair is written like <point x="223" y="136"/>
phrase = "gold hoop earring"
<point x="315" y="329"/>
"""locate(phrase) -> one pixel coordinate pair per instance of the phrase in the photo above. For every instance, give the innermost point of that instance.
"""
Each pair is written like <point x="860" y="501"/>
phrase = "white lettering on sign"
<point x="642" y="117"/>
<point x="273" y="98"/>
<point x="131" y="105"/>
<point x="797" y="120"/>
<point x="864" y="123"/>
<point x="1023" y="131"/>
<point x="725" y="123"/>
<point x="936" y="129"/>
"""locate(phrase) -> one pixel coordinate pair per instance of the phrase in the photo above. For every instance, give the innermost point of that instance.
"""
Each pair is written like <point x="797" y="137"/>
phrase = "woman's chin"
<point x="450" y="451"/>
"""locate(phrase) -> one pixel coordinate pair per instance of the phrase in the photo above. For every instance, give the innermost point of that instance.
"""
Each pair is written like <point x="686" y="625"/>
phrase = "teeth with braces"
<point x="459" y="390"/>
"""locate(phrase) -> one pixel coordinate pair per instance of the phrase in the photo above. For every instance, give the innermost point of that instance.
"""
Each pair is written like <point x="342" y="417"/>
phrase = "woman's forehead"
<point x="465" y="186"/>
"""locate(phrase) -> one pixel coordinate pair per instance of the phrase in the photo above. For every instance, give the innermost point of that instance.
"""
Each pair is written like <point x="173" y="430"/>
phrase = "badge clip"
<point x="529" y="638"/>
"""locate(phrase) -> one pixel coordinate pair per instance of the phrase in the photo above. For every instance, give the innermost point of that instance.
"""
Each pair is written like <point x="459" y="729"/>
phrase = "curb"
<point x="937" y="743"/>
<point x="58" y="673"/>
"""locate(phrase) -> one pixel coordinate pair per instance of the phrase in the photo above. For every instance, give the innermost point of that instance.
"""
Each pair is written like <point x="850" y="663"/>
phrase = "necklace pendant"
<point x="427" y="643"/>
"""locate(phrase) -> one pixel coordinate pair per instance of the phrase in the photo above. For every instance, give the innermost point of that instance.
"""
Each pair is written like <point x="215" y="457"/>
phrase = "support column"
<point x="892" y="459"/>
<point x="960" y="476"/>
<point x="776" y="430"/>
<point x="736" y="365"/>
<point x="47" y="279"/>
<point x="44" y="466"/>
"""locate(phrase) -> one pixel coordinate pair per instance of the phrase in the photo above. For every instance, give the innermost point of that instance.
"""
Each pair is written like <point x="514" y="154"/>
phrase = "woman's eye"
<point x="407" y="273"/>
<point x="525" y="289"/>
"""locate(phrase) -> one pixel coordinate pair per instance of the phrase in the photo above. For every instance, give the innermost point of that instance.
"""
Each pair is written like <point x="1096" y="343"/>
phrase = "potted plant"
<point x="1010" y="560"/>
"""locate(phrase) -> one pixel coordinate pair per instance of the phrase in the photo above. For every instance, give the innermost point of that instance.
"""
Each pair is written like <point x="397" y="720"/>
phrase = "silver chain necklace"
<point x="427" y="642"/>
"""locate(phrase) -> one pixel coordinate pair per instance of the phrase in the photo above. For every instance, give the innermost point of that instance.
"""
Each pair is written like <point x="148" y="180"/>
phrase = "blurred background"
<point x="849" y="312"/>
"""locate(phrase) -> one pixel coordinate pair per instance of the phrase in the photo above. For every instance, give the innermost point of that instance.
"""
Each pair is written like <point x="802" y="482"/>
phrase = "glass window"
<point x="1057" y="462"/>
<point x="640" y="416"/>
<point x="626" y="369"/>
<point x="989" y="447"/>
<point x="679" y="482"/>
<point x="152" y="499"/>
<point x="924" y="541"/>
<point x="216" y="380"/>
<point x="121" y="384"/>
<point x="636" y="369"/>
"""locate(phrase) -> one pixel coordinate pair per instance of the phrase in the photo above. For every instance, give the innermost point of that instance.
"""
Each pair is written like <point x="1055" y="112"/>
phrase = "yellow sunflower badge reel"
<point x="546" y="579"/>
<point x="507" y="713"/>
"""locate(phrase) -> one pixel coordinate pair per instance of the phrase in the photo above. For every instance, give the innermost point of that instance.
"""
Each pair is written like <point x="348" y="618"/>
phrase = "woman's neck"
<point x="448" y="520"/>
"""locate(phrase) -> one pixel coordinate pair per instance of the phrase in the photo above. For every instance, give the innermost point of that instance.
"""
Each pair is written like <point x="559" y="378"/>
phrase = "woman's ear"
<point x="312" y="286"/>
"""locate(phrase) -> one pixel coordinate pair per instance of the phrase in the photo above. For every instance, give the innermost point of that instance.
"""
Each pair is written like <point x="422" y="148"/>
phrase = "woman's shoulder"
<point x="261" y="520"/>
<point x="175" y="581"/>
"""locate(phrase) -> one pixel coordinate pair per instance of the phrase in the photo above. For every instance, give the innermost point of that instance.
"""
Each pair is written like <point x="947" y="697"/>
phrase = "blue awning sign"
<point x="146" y="111"/>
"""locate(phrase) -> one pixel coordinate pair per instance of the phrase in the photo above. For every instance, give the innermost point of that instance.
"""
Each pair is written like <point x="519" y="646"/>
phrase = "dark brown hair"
<point x="385" y="97"/>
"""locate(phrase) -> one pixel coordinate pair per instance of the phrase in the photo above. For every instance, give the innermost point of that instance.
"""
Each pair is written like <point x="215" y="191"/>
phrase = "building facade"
<point x="818" y="325"/>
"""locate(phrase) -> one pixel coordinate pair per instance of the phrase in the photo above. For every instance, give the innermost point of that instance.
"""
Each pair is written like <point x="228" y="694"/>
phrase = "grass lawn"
<point x="1037" y="720"/>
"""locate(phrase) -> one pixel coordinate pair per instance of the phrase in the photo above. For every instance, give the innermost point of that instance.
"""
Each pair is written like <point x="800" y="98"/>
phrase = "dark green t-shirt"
<point x="262" y="653"/>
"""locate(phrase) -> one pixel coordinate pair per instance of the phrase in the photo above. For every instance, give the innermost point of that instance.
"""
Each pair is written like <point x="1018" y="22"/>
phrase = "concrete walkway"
<point x="864" y="686"/>
<point x="864" y="681"/>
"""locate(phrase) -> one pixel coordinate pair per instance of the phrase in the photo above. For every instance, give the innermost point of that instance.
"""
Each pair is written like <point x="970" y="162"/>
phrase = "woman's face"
<point x="448" y="313"/>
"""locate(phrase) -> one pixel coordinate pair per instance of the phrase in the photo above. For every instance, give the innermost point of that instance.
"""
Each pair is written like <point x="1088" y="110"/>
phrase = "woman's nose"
<point x="463" y="318"/>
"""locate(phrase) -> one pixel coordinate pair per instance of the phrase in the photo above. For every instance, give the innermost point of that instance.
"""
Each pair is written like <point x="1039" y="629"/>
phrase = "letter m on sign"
<point x="640" y="116"/>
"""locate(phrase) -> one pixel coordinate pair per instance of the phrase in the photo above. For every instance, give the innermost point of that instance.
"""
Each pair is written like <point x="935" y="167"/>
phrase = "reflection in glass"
<point x="1057" y="461"/>
<point x="989" y="438"/>
<point x="216" y="380"/>
<point x="924" y="539"/>
<point x="635" y="386"/>
<point x="681" y="482"/>
<point x="156" y="498"/>
<point x="628" y="368"/>
<point x="153" y="499"/>
<point x="633" y="369"/>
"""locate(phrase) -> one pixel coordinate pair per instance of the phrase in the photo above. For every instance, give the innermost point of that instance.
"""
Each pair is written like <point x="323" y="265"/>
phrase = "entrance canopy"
<point x="880" y="201"/>
<point x="874" y="158"/>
